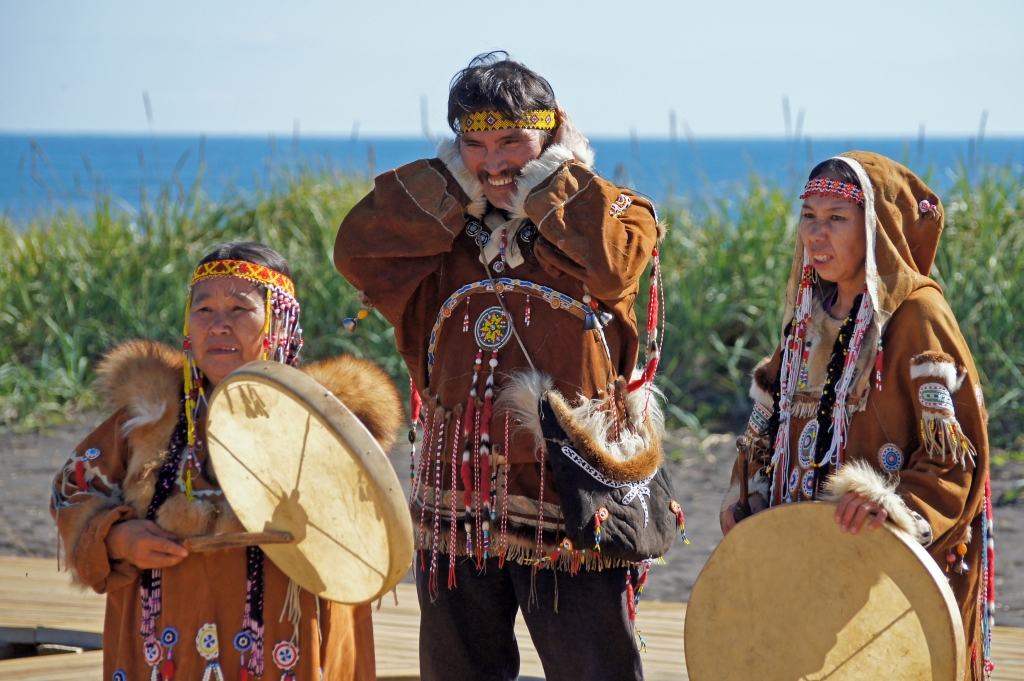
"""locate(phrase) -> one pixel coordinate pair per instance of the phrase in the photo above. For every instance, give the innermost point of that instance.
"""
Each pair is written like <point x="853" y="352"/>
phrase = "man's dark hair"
<point x="836" y="167"/>
<point x="495" y="82"/>
<point x="249" y="251"/>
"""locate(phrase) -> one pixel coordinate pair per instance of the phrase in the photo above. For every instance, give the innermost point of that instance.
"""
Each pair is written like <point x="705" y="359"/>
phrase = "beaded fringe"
<point x="942" y="435"/>
<point x="568" y="561"/>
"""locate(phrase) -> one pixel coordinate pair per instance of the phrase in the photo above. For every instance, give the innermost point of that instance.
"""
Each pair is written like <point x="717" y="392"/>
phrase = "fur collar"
<point x="533" y="173"/>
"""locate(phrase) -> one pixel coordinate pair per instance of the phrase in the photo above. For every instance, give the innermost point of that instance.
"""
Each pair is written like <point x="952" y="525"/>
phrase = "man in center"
<point x="504" y="264"/>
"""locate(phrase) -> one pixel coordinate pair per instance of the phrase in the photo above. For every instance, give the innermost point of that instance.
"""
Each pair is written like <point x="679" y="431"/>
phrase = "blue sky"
<point x="855" y="68"/>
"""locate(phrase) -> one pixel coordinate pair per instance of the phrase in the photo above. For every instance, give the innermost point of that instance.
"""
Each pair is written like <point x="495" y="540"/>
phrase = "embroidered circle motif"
<point x="169" y="636"/>
<point x="935" y="396"/>
<point x="566" y="544"/>
<point x="473" y="228"/>
<point x="492" y="329"/>
<point x="602" y="513"/>
<point x="151" y="651"/>
<point x="482" y="238"/>
<point x="285" y="655"/>
<point x="808" y="484"/>
<point x="91" y="453"/>
<point x="674" y="506"/>
<point x="794" y="480"/>
<point x="808" y="438"/>
<point x="243" y="641"/>
<point x="206" y="641"/>
<point x="119" y="676"/>
<point x="528" y="233"/>
<point x="890" y="457"/>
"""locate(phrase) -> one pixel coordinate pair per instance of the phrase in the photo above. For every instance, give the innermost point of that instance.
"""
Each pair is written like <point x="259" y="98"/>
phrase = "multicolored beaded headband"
<point x="821" y="186"/>
<point x="246" y="270"/>
<point x="539" y="119"/>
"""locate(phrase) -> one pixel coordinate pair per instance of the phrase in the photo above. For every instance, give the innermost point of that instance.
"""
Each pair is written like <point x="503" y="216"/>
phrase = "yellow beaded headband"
<point x="246" y="270"/>
<point x="539" y="119"/>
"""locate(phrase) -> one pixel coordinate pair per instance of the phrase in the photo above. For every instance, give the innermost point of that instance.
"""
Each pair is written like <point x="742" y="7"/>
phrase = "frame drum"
<point x="290" y="457"/>
<point x="788" y="596"/>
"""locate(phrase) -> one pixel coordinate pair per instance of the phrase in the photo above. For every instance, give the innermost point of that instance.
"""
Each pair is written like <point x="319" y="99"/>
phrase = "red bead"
<point x="266" y="343"/>
<point x="593" y="304"/>
<point x="654" y="253"/>
<point x="187" y="343"/>
<point x="243" y="673"/>
<point x="167" y="670"/>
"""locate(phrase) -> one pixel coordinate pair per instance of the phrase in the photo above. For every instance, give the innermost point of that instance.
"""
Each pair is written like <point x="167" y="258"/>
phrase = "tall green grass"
<point x="73" y="285"/>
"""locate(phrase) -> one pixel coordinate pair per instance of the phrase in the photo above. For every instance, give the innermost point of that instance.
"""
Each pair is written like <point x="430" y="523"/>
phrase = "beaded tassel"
<point x="252" y="620"/>
<point x="484" y="451"/>
<point x="453" y="536"/>
<point x="879" y="358"/>
<point x="789" y="375"/>
<point x="465" y="318"/>
<point x="527" y="315"/>
<point x="415" y="406"/>
<point x="503" y="540"/>
<point x="426" y="468"/>
<point x="470" y="429"/>
<point x="840" y="415"/>
<point x="988" y="566"/>
<point x="432" y="581"/>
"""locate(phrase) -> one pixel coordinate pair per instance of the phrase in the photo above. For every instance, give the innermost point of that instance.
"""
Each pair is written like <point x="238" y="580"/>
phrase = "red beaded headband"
<point x="821" y="186"/>
<point x="246" y="270"/>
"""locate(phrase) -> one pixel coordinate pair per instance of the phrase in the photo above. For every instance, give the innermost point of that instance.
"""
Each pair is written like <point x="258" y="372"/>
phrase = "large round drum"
<point x="788" y="596"/>
<point x="290" y="457"/>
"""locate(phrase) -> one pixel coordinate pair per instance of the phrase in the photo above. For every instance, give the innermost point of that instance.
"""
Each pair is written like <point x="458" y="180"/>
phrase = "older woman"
<point x="872" y="397"/>
<point x="141" y="482"/>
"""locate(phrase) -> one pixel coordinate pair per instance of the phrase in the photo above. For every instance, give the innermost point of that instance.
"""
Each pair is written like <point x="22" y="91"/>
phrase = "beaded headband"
<point x="539" y="119"/>
<point x="821" y="186"/>
<point x="246" y="270"/>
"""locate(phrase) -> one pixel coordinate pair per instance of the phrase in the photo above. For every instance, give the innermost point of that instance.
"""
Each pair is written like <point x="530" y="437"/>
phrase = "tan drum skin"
<point x="786" y="596"/>
<point x="291" y="457"/>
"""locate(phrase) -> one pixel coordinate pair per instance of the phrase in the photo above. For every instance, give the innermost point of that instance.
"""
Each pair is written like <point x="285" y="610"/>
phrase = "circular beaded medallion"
<point x="243" y="641"/>
<point x="285" y="655"/>
<point x="794" y="480"/>
<point x="151" y="651"/>
<point x="890" y="457"/>
<point x="528" y="233"/>
<point x="473" y="228"/>
<point x="119" y="676"/>
<point x="808" y="484"/>
<point x="482" y="238"/>
<point x="91" y="453"/>
<point x="207" y="642"/>
<point x="492" y="329"/>
<point x="805" y="448"/>
<point x="169" y="636"/>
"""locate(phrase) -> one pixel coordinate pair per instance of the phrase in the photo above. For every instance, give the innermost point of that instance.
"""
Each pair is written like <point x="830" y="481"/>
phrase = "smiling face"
<point x="495" y="157"/>
<point x="225" y="324"/>
<point x="833" y="234"/>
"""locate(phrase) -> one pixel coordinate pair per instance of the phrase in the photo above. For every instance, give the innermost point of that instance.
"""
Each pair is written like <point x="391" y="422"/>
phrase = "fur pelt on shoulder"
<point x="145" y="380"/>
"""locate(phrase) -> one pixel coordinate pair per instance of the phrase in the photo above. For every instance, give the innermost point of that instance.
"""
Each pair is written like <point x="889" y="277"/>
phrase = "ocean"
<point x="41" y="173"/>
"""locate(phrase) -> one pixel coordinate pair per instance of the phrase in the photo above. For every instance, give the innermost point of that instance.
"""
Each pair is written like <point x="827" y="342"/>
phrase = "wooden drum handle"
<point x="234" y="540"/>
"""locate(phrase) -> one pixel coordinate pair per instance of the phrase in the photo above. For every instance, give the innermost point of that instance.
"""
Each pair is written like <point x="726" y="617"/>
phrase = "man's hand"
<point x="567" y="133"/>
<point x="144" y="544"/>
<point x="728" y="520"/>
<point x="853" y="510"/>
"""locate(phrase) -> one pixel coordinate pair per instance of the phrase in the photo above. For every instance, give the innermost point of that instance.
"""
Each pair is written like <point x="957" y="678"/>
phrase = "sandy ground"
<point x="29" y="461"/>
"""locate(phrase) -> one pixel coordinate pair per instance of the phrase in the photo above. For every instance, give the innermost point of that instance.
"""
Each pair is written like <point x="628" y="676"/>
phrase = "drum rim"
<point x="337" y="418"/>
<point x="931" y="567"/>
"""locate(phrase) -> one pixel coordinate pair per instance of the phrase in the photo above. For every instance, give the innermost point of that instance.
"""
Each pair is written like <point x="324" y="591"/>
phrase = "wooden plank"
<point x="34" y="594"/>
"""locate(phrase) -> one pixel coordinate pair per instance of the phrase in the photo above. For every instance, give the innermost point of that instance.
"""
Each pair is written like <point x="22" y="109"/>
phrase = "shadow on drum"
<point x="290" y="516"/>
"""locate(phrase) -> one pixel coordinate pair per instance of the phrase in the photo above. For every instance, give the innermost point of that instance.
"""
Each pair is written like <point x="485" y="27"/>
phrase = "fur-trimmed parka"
<point x="918" y="443"/>
<point x="110" y="478"/>
<point x="424" y="234"/>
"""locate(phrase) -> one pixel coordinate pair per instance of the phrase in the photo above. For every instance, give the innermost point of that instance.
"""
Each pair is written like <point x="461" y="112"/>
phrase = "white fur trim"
<point x="860" y="477"/>
<point x="755" y="485"/>
<point x="758" y="394"/>
<point x="946" y="371"/>
<point x="144" y="413"/>
<point x="535" y="172"/>
<point x="521" y="399"/>
<point x="449" y="154"/>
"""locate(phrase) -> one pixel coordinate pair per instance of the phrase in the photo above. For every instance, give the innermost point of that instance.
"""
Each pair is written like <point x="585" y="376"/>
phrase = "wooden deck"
<point x="36" y="600"/>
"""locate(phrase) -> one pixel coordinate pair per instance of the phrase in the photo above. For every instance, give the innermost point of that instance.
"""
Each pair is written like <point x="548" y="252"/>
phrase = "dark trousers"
<point x="467" y="633"/>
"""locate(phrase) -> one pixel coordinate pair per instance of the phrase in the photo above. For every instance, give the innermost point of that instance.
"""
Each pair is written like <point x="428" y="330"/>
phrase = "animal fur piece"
<point x="761" y="385"/>
<point x="366" y="389"/>
<point x="448" y="152"/>
<point x="860" y="477"/>
<point x="755" y="485"/>
<point x="938" y="365"/>
<point x="634" y="456"/>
